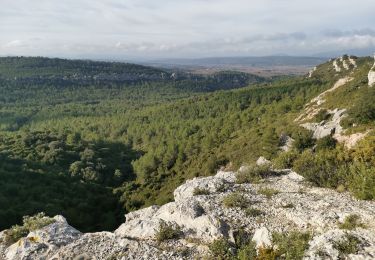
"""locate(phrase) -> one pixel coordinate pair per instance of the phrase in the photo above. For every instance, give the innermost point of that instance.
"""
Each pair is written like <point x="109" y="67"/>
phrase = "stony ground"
<point x="295" y="205"/>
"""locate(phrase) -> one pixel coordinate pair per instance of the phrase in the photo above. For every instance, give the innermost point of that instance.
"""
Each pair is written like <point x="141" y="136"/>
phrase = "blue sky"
<point x="151" y="29"/>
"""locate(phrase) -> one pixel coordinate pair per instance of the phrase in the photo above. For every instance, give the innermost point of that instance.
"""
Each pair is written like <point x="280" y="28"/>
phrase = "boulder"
<point x="286" y="142"/>
<point x="262" y="237"/>
<point x="212" y="184"/>
<point x="262" y="161"/>
<point x="187" y="214"/>
<point x="43" y="241"/>
<point x="228" y="177"/>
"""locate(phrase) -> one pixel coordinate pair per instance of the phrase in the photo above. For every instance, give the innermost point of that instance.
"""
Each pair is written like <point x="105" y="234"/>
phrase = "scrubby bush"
<point x="303" y="139"/>
<point x="267" y="253"/>
<point x="200" y="191"/>
<point x="221" y="249"/>
<point x="349" y="244"/>
<point x="285" y="160"/>
<point x="351" y="170"/>
<point x="246" y="248"/>
<point x="30" y="223"/>
<point x="321" y="169"/>
<point x="327" y="142"/>
<point x="291" y="245"/>
<point x="268" y="192"/>
<point x="254" y="173"/>
<point x="361" y="181"/>
<point x="363" y="110"/>
<point x="322" y="115"/>
<point x="235" y="200"/>
<point x="351" y="222"/>
<point x="167" y="231"/>
<point x="247" y="251"/>
<point x="253" y="212"/>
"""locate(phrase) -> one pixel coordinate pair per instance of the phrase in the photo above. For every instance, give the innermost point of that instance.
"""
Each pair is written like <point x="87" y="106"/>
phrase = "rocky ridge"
<point x="331" y="126"/>
<point x="202" y="218"/>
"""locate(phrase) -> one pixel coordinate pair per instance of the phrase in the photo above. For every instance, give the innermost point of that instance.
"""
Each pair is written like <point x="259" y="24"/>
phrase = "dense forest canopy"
<point x="92" y="140"/>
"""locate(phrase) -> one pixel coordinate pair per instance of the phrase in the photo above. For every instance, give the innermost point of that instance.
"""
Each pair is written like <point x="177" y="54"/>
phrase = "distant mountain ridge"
<point x="260" y="61"/>
<point x="64" y="72"/>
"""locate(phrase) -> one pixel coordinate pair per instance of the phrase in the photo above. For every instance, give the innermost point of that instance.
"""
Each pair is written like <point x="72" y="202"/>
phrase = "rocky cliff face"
<point x="202" y="217"/>
<point x="371" y="76"/>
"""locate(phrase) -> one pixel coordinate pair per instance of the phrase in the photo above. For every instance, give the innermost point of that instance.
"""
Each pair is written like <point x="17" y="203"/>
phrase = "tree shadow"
<point x="28" y="187"/>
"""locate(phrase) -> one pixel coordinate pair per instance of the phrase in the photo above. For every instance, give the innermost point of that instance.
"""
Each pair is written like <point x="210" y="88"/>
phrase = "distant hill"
<point x="78" y="73"/>
<point x="266" y="61"/>
<point x="266" y="66"/>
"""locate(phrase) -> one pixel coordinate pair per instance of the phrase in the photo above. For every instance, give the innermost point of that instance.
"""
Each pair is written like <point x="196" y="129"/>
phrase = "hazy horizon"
<point x="147" y="30"/>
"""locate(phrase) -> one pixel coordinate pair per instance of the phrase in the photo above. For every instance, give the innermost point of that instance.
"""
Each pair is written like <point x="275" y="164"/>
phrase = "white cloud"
<point x="15" y="43"/>
<point x="146" y="28"/>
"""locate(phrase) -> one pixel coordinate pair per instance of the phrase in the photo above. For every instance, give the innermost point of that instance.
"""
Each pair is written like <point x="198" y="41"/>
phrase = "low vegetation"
<point x="221" y="249"/>
<point x="253" y="173"/>
<point x="349" y="244"/>
<point x="30" y="223"/>
<point x="235" y="200"/>
<point x="291" y="246"/>
<point x="253" y="212"/>
<point x="167" y="231"/>
<point x="322" y="115"/>
<point x="338" y="167"/>
<point x="351" y="222"/>
<point x="284" y="160"/>
<point x="268" y="192"/>
<point x="200" y="191"/>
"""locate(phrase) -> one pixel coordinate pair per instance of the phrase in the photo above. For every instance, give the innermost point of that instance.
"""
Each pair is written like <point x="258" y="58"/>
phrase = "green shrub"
<point x="322" y="168"/>
<point x="351" y="222"/>
<point x="30" y="223"/>
<point x="303" y="140"/>
<point x="253" y="212"/>
<point x="291" y="245"/>
<point x="37" y="221"/>
<point x="363" y="110"/>
<point x="14" y="234"/>
<point x="221" y="249"/>
<point x="267" y="253"/>
<point x="241" y="237"/>
<point x="253" y="173"/>
<point x="322" y="115"/>
<point x="348" y="245"/>
<point x="285" y="160"/>
<point x="247" y="251"/>
<point x="167" y="231"/>
<point x="327" y="142"/>
<point x="361" y="181"/>
<point x="268" y="192"/>
<point x="200" y="191"/>
<point x="235" y="200"/>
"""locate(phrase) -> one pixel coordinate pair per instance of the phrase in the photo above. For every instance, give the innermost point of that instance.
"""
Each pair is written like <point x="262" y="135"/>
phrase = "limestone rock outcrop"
<point x="371" y="75"/>
<point x="203" y="217"/>
<point x="328" y="127"/>
<point x="42" y="242"/>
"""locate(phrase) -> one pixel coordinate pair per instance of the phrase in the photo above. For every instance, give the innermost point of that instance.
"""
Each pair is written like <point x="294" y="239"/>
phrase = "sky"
<point x="154" y="29"/>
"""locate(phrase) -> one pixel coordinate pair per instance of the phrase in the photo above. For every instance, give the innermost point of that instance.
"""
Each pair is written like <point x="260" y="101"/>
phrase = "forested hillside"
<point x="80" y="139"/>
